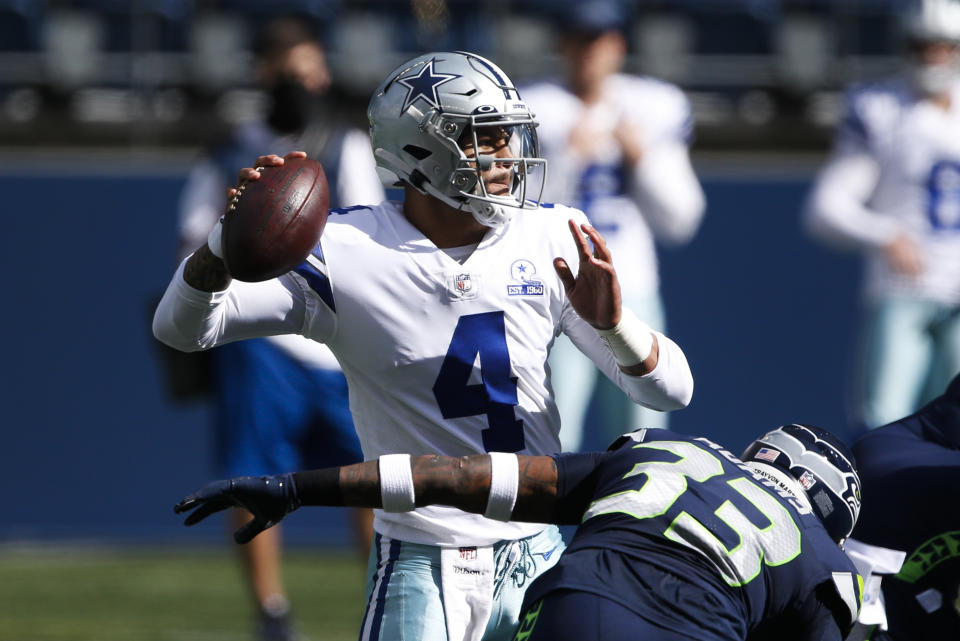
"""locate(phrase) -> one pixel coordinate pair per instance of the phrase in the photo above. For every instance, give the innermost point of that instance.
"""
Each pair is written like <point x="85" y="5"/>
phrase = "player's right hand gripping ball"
<point x="273" y="223"/>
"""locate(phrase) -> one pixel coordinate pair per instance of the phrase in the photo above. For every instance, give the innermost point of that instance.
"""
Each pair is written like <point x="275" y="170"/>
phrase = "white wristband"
<point x="215" y="239"/>
<point x="631" y="340"/>
<point x="504" y="482"/>
<point x="396" y="483"/>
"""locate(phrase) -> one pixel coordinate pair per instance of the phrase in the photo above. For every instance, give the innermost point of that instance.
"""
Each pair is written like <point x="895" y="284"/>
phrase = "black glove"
<point x="268" y="498"/>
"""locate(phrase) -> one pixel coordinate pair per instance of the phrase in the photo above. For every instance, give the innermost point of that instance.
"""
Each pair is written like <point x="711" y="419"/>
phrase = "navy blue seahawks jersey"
<point x="681" y="532"/>
<point x="910" y="473"/>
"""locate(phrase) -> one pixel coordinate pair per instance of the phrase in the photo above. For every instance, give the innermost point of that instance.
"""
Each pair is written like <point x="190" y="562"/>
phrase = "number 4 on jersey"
<point x="482" y="335"/>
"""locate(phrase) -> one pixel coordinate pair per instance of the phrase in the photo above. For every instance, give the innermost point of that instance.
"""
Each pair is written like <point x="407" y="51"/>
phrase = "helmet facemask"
<point x="496" y="167"/>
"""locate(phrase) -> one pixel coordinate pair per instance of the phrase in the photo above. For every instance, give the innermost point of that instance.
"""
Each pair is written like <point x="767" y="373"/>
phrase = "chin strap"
<point x="487" y="213"/>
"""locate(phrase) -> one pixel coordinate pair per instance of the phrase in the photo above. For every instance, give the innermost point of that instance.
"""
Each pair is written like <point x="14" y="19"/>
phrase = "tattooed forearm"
<point x="465" y="483"/>
<point x="537" y="496"/>
<point x="206" y="272"/>
<point x="461" y="482"/>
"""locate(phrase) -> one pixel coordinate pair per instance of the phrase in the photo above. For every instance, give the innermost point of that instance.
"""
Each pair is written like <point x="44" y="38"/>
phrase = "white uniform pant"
<point x="405" y="595"/>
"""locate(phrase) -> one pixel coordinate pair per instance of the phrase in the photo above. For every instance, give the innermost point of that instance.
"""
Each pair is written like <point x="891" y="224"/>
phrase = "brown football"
<point x="273" y="223"/>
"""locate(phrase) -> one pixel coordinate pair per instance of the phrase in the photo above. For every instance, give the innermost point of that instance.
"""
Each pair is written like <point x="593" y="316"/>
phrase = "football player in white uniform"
<point x="892" y="189"/>
<point x="617" y="148"/>
<point x="442" y="311"/>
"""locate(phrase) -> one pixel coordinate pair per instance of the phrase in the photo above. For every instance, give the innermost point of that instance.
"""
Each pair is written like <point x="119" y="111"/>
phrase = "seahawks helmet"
<point x="431" y="107"/>
<point x="822" y="465"/>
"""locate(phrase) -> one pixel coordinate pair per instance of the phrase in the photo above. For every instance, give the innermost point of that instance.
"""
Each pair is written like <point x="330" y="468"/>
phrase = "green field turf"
<point x="137" y="594"/>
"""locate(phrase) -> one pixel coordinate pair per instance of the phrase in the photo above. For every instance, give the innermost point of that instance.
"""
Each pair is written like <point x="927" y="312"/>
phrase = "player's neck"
<point x="443" y="225"/>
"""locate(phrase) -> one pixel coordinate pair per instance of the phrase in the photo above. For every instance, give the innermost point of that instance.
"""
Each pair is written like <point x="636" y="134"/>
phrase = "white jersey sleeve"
<point x="190" y="320"/>
<point x="664" y="185"/>
<point x="837" y="210"/>
<point x="668" y="387"/>
<point x="203" y="197"/>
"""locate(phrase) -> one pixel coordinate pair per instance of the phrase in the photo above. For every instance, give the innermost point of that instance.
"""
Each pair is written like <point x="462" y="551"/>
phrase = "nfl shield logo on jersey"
<point x="462" y="286"/>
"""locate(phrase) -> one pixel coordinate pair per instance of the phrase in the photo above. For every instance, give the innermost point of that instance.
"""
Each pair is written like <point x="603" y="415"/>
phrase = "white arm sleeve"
<point x="668" y="387"/>
<point x="836" y="212"/>
<point x="669" y="193"/>
<point x="188" y="319"/>
<point x="358" y="182"/>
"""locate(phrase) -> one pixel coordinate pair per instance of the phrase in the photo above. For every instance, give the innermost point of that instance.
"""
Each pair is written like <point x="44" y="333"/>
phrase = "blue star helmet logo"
<point x="523" y="270"/>
<point x="424" y="85"/>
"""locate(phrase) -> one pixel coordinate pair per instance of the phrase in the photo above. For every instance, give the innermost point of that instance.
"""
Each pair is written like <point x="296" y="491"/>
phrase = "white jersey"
<point x="204" y="197"/>
<point x="660" y="198"/>
<point x="441" y="357"/>
<point x="896" y="170"/>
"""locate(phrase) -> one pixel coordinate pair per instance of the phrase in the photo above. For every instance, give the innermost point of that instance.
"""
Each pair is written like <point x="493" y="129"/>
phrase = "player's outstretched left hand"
<point x="268" y="498"/>
<point x="595" y="291"/>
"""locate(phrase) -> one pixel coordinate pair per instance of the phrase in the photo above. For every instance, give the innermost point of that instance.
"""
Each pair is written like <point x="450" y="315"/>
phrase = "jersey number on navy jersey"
<point x="482" y="335"/>
<point x="773" y="544"/>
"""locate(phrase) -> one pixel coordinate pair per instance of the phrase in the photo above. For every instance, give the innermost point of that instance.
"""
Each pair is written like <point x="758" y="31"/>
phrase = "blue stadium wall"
<point x="94" y="449"/>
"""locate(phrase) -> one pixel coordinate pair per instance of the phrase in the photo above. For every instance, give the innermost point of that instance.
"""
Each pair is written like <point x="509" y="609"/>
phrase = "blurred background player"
<point x="910" y="471"/>
<point x="676" y="538"/>
<point x="282" y="401"/>
<point x="443" y="329"/>
<point x="892" y="190"/>
<point x="617" y="148"/>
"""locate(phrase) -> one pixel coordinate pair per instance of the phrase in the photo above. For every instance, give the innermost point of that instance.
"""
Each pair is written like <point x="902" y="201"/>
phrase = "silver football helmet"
<point x="432" y="108"/>
<point x="933" y="20"/>
<point x="930" y="21"/>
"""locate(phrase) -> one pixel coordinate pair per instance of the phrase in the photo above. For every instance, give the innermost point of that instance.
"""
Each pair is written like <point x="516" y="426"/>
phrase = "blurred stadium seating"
<point x="760" y="73"/>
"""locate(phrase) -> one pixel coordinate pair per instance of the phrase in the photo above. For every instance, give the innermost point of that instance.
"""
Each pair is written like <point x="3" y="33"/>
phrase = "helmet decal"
<point x="423" y="85"/>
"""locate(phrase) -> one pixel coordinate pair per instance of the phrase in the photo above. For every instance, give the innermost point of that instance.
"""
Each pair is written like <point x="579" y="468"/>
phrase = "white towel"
<point x="466" y="582"/>
<point x="872" y="563"/>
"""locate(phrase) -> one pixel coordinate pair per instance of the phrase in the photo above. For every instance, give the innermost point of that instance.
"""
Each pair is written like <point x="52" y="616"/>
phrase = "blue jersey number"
<point x="943" y="190"/>
<point x="482" y="335"/>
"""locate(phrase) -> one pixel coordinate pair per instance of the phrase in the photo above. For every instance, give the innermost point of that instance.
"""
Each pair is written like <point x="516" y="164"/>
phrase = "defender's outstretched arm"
<point x="462" y="482"/>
